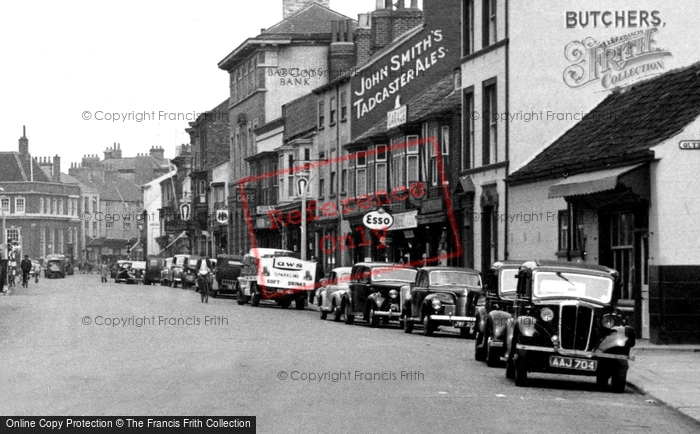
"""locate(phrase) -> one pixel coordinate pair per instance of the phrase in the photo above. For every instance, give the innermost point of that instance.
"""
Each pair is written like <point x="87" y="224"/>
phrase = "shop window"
<point x="563" y="224"/>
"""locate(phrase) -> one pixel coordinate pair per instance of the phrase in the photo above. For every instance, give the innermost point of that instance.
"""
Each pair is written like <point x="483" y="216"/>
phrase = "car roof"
<point x="382" y="264"/>
<point x="510" y="263"/>
<point x="341" y="270"/>
<point x="548" y="263"/>
<point x="437" y="268"/>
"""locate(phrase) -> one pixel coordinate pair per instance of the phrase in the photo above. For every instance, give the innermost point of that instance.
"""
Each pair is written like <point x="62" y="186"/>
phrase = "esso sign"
<point x="378" y="220"/>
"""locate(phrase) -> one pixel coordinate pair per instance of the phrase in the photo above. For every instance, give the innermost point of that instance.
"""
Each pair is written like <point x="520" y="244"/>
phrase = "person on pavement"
<point x="104" y="272"/>
<point x="26" y="267"/>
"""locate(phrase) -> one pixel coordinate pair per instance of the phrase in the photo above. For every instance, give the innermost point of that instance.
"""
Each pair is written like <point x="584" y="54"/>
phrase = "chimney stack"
<point x="56" y="170"/>
<point x="341" y="55"/>
<point x="24" y="142"/>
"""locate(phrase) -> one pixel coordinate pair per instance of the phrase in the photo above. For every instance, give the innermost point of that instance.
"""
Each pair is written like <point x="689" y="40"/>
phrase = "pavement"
<point x="669" y="374"/>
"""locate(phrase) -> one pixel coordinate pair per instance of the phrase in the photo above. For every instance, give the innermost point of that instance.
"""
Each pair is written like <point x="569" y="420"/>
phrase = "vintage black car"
<point x="442" y="296"/>
<point x="154" y="265"/>
<point x="374" y="292"/>
<point x="177" y="269"/>
<point x="165" y="270"/>
<point x="565" y="321"/>
<point x="228" y="268"/>
<point x="492" y="317"/>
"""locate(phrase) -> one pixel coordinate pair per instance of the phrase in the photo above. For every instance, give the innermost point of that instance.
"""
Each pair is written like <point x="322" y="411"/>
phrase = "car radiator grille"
<point x="575" y="326"/>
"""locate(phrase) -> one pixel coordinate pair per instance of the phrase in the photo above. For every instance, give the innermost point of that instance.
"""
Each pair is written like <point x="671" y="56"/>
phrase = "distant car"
<point x="228" y="268"/>
<point x="165" y="278"/>
<point x="189" y="274"/>
<point x="442" y="296"/>
<point x="131" y="272"/>
<point x="153" y="267"/>
<point x="114" y="269"/>
<point x="177" y="269"/>
<point x="565" y="321"/>
<point x="374" y="292"/>
<point x="55" y="266"/>
<point x="332" y="290"/>
<point x="492" y="317"/>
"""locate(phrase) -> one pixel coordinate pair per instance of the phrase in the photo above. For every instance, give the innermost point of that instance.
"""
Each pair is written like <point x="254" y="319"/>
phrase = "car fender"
<point x="378" y="299"/>
<point x="621" y="337"/>
<point x="481" y="318"/>
<point x="526" y="326"/>
<point x="498" y="321"/>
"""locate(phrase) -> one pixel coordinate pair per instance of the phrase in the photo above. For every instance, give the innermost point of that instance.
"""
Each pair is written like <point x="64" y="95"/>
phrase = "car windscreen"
<point x="394" y="274"/>
<point x="454" y="278"/>
<point x="344" y="279"/>
<point x="509" y="281"/>
<point x="180" y="260"/>
<point x="561" y="284"/>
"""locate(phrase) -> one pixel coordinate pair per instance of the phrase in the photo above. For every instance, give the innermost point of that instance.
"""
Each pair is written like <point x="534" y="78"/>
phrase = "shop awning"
<point x="592" y="182"/>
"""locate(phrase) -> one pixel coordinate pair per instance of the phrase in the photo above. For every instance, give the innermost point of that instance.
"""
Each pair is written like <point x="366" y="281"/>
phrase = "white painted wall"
<point x="674" y="216"/>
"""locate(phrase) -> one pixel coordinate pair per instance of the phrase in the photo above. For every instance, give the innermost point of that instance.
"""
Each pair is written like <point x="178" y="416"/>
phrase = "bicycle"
<point x="205" y="287"/>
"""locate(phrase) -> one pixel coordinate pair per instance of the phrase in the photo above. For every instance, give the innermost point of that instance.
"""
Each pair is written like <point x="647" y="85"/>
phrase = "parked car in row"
<point x="492" y="317"/>
<point x="228" y="269"/>
<point x="154" y="266"/>
<point x="189" y="274"/>
<point x="332" y="290"/>
<point x="565" y="321"/>
<point x="165" y="276"/>
<point x="373" y="294"/>
<point x="177" y="269"/>
<point x="442" y="296"/>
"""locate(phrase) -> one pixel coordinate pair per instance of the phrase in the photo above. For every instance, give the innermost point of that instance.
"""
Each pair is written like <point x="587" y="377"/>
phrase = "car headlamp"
<point x="608" y="321"/>
<point x="437" y="304"/>
<point x="546" y="314"/>
<point x="393" y="293"/>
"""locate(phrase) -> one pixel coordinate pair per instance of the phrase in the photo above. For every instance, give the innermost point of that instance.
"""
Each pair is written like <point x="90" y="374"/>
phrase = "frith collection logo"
<point x="617" y="60"/>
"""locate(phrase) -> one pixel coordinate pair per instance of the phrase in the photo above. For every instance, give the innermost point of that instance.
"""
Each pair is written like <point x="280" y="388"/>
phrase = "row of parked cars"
<point x="534" y="316"/>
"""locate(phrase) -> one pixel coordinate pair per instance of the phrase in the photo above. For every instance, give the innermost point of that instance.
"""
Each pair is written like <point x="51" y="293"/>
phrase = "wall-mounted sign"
<point x="222" y="216"/>
<point x="398" y="116"/>
<point x="264" y="209"/>
<point x="405" y="220"/>
<point x="301" y="185"/>
<point x="689" y="144"/>
<point x="185" y="211"/>
<point x="378" y="220"/>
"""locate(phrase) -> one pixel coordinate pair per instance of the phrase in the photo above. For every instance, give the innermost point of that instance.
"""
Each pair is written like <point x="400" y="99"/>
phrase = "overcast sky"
<point x="60" y="59"/>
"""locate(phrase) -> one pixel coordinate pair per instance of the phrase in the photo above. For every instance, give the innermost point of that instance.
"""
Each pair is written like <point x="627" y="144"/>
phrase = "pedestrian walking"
<point x="26" y="267"/>
<point x="104" y="272"/>
<point x="3" y="267"/>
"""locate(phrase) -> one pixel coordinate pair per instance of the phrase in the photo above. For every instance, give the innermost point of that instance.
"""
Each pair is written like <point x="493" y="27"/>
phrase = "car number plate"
<point x="570" y="363"/>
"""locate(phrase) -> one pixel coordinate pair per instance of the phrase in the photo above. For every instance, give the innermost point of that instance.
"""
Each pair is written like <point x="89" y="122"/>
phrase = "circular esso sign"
<point x="378" y="220"/>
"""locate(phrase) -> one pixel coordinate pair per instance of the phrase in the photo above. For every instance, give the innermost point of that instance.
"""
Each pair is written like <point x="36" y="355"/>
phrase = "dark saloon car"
<point x="565" y="321"/>
<point x="492" y="317"/>
<point x="55" y="266"/>
<point x="374" y="292"/>
<point x="442" y="296"/>
<point x="154" y="265"/>
<point x="228" y="268"/>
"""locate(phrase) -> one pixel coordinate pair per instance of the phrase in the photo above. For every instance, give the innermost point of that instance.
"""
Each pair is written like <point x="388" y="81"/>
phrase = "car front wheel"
<point x="480" y="347"/>
<point x="255" y="295"/>
<point x="349" y="317"/>
<point x="407" y="325"/>
<point x="428" y="327"/>
<point x="619" y="378"/>
<point x="324" y="314"/>
<point x="338" y="313"/>
<point x="521" y="368"/>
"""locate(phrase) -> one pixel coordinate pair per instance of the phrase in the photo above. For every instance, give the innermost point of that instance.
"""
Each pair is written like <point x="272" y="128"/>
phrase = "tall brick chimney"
<point x="56" y="169"/>
<point x="290" y="7"/>
<point x="391" y="20"/>
<point x="341" y="55"/>
<point x="157" y="152"/>
<point x="363" y="38"/>
<point x="24" y="142"/>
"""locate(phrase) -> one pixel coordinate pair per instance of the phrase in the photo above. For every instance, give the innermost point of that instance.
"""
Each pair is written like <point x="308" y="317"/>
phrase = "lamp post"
<point x="3" y="261"/>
